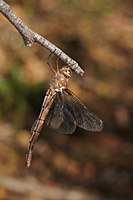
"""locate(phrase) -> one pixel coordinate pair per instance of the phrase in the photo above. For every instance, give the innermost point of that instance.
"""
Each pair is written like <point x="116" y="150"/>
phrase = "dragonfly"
<point x="62" y="110"/>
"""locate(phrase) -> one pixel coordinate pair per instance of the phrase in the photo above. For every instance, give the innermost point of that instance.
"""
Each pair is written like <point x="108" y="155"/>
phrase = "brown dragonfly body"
<point x="62" y="111"/>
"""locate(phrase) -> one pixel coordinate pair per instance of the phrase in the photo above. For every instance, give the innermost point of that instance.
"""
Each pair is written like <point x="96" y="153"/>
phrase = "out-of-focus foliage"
<point x="99" y="35"/>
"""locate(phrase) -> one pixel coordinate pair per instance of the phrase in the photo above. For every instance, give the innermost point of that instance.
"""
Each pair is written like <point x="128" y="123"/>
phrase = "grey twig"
<point x="29" y="37"/>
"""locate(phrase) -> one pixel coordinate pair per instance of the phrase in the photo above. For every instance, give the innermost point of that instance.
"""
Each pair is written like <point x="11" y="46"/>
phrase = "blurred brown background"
<point x="82" y="166"/>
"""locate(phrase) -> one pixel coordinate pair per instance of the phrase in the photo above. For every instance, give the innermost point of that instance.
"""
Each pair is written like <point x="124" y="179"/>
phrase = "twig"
<point x="29" y="37"/>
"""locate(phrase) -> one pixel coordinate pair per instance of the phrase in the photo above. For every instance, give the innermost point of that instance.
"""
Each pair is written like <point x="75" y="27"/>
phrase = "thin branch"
<point x="29" y="37"/>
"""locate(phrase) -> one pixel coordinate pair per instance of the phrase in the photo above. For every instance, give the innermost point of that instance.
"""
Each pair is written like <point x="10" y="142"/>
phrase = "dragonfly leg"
<point x="57" y="61"/>
<point x="49" y="58"/>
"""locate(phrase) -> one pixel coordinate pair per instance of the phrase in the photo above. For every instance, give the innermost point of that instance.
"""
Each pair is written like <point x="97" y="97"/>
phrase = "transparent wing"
<point x="59" y="118"/>
<point x="84" y="119"/>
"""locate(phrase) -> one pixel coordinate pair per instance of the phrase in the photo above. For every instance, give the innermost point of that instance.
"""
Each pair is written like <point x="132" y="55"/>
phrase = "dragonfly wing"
<point x="84" y="119"/>
<point x="59" y="118"/>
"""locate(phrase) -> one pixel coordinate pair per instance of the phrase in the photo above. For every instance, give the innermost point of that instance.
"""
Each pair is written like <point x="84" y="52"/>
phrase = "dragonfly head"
<point x="66" y="72"/>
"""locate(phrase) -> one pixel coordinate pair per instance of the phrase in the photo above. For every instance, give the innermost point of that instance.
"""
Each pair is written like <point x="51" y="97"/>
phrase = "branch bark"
<point x="29" y="37"/>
